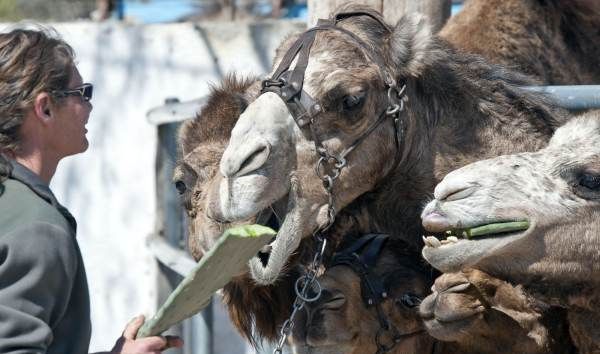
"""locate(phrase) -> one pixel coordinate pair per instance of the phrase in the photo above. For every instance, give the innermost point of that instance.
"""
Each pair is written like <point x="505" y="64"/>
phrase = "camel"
<point x="553" y="256"/>
<point x="458" y="109"/>
<point x="201" y="143"/>
<point x="553" y="41"/>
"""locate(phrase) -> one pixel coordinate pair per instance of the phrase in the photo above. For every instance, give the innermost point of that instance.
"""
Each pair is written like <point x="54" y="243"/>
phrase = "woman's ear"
<point x="42" y="106"/>
<point x="410" y="42"/>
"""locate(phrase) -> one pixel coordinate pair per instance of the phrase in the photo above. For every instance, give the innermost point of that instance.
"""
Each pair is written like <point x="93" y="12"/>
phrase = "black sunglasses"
<point x="85" y="91"/>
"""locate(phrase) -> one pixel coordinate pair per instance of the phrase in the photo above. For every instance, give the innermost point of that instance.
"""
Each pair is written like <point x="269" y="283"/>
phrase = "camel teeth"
<point x="450" y="239"/>
<point x="266" y="248"/>
<point x="432" y="241"/>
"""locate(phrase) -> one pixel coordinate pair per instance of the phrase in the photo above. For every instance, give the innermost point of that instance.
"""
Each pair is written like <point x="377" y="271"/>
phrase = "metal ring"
<point x="395" y="108"/>
<point x="320" y="163"/>
<point x="389" y="94"/>
<point x="327" y="182"/>
<point x="401" y="91"/>
<point x="302" y="296"/>
<point x="341" y="163"/>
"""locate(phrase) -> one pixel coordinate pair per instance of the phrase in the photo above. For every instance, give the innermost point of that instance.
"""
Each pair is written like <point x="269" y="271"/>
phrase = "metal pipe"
<point x="576" y="97"/>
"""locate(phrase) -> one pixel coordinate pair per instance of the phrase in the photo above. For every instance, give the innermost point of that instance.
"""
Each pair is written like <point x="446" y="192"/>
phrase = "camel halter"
<point x="287" y="84"/>
<point x="362" y="257"/>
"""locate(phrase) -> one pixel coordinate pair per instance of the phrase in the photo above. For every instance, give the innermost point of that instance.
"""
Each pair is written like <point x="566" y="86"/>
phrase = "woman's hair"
<point x="32" y="61"/>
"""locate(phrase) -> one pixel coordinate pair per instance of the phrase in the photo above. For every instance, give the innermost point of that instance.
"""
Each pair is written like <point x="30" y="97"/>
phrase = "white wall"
<point x="110" y="189"/>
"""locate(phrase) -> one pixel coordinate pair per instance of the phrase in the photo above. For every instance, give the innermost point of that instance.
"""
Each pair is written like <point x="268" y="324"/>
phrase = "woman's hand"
<point x="127" y="344"/>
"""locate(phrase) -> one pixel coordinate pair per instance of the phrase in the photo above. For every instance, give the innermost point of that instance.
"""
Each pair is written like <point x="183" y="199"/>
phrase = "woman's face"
<point x="70" y="115"/>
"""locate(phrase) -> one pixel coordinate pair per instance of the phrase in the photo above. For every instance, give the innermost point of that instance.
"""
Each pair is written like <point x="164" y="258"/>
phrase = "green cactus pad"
<point x="490" y="229"/>
<point x="226" y="259"/>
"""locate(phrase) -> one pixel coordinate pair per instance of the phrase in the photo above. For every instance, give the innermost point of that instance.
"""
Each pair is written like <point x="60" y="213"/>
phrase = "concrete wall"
<point x="110" y="188"/>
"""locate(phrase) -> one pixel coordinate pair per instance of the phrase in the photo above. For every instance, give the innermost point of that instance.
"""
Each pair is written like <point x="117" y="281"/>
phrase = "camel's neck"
<point x="460" y="110"/>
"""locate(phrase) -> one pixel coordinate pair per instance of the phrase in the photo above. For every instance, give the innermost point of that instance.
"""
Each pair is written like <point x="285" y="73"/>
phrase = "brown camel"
<point x="554" y="41"/>
<point x="553" y="255"/>
<point x="339" y="322"/>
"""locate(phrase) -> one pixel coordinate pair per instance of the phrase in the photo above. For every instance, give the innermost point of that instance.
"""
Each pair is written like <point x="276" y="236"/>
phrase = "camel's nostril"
<point x="254" y="161"/>
<point x="449" y="192"/>
<point x="246" y="160"/>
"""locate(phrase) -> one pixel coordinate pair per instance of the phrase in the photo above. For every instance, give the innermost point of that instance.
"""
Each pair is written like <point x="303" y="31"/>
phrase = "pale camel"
<point x="554" y="256"/>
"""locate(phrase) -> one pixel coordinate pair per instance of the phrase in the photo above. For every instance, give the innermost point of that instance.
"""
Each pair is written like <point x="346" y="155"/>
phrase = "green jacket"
<point x="44" y="298"/>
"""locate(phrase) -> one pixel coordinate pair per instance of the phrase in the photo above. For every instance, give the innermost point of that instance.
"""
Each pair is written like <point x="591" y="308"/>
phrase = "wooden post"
<point x="437" y="11"/>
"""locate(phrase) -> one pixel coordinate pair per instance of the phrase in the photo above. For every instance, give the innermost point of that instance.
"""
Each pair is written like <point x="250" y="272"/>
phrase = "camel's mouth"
<point x="270" y="217"/>
<point x="496" y="229"/>
<point x="466" y="247"/>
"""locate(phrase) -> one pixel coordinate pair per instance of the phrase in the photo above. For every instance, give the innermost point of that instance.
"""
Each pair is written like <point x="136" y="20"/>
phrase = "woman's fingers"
<point x="133" y="326"/>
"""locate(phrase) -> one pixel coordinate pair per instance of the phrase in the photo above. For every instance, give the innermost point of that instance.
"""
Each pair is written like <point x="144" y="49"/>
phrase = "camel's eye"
<point x="590" y="181"/>
<point x="586" y="184"/>
<point x="353" y="102"/>
<point x="181" y="187"/>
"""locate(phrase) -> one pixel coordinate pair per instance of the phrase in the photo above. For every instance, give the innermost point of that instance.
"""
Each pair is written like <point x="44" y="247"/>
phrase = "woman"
<point x="44" y="107"/>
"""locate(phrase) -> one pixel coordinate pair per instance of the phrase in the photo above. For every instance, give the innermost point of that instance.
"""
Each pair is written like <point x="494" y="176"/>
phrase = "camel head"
<point x="526" y="215"/>
<point x="202" y="142"/>
<point x="349" y="82"/>
<point x="340" y="321"/>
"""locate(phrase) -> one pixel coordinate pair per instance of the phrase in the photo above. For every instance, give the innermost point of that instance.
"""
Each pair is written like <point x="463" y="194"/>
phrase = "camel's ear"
<point x="409" y="43"/>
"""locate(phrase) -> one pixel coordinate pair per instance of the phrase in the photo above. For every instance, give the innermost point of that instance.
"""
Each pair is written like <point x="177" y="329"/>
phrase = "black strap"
<point x="340" y="16"/>
<point x="304" y="43"/>
<point x="362" y="257"/>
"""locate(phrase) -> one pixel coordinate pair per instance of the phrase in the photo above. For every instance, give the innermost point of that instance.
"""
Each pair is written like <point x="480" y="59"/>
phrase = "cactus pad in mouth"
<point x="489" y="229"/>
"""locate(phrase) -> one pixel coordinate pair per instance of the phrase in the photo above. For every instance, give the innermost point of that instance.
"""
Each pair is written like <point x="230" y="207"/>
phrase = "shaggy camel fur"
<point x="557" y="191"/>
<point x="554" y="41"/>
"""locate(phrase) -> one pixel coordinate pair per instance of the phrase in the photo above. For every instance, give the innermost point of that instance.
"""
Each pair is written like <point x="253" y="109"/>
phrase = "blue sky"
<point x="156" y="11"/>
